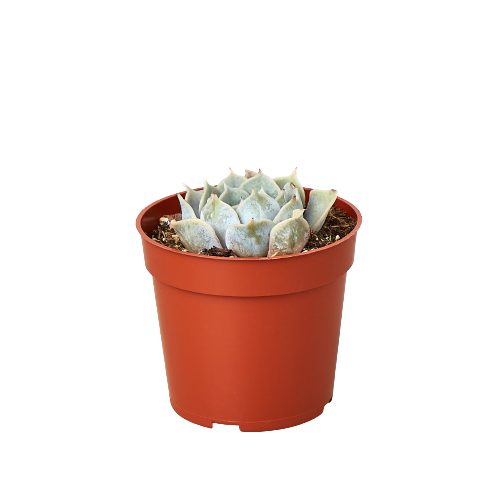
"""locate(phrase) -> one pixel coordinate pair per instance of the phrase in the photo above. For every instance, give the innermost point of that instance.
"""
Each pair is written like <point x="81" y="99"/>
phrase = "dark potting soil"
<point x="337" y="225"/>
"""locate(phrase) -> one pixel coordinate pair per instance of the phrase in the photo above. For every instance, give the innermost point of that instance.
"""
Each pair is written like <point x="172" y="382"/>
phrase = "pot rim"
<point x="146" y="238"/>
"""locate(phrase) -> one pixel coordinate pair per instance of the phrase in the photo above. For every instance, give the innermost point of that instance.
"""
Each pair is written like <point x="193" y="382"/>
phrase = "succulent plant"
<point x="253" y="216"/>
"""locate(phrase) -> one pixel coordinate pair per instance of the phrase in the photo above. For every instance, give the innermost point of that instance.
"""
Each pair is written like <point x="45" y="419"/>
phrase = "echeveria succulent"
<point x="253" y="216"/>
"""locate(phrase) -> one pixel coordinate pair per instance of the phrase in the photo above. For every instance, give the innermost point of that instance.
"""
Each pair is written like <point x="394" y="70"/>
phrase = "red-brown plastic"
<point x="248" y="341"/>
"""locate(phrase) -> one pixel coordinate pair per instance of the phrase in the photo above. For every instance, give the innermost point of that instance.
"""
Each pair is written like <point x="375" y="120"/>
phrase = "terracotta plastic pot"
<point x="248" y="342"/>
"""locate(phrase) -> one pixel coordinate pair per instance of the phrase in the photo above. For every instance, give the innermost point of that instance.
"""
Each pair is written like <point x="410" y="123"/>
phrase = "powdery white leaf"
<point x="250" y="239"/>
<point x="290" y="191"/>
<point x="208" y="190"/>
<point x="233" y="196"/>
<point x="232" y="180"/>
<point x="286" y="211"/>
<point x="289" y="236"/>
<point x="281" y="198"/>
<point x="261" y="181"/>
<point x="257" y="206"/>
<point x="187" y="210"/>
<point x="220" y="216"/>
<point x="320" y="202"/>
<point x="193" y="198"/>
<point x="281" y="181"/>
<point x="196" y="234"/>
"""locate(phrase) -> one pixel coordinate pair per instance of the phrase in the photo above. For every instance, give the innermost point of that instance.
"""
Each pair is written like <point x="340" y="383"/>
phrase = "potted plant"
<point x="249" y="279"/>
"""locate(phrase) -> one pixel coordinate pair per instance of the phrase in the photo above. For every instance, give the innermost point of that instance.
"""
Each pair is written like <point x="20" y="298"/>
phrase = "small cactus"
<point x="253" y="216"/>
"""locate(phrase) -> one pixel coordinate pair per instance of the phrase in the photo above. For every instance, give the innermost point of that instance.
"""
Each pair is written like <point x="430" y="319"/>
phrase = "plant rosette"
<point x="251" y="216"/>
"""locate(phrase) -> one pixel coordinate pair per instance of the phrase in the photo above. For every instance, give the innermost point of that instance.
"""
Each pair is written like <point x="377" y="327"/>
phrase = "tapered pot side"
<point x="248" y="341"/>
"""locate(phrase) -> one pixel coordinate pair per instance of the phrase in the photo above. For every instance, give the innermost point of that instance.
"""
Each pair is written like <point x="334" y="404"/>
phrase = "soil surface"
<point x="337" y="225"/>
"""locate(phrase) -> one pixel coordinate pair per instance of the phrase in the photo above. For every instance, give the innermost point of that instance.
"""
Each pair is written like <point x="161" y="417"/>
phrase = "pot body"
<point x="248" y="342"/>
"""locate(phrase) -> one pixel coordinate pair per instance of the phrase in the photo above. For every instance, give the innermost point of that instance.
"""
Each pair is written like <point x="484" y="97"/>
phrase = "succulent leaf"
<point x="218" y="190"/>
<point x="281" y="198"/>
<point x="320" y="202"/>
<point x="289" y="236"/>
<point x="261" y="181"/>
<point x="187" y="210"/>
<point x="196" y="234"/>
<point x="290" y="191"/>
<point x="257" y="206"/>
<point x="193" y="198"/>
<point x="281" y="181"/>
<point x="207" y="192"/>
<point x="233" y="196"/>
<point x="286" y="211"/>
<point x="232" y="180"/>
<point x="250" y="239"/>
<point x="220" y="216"/>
